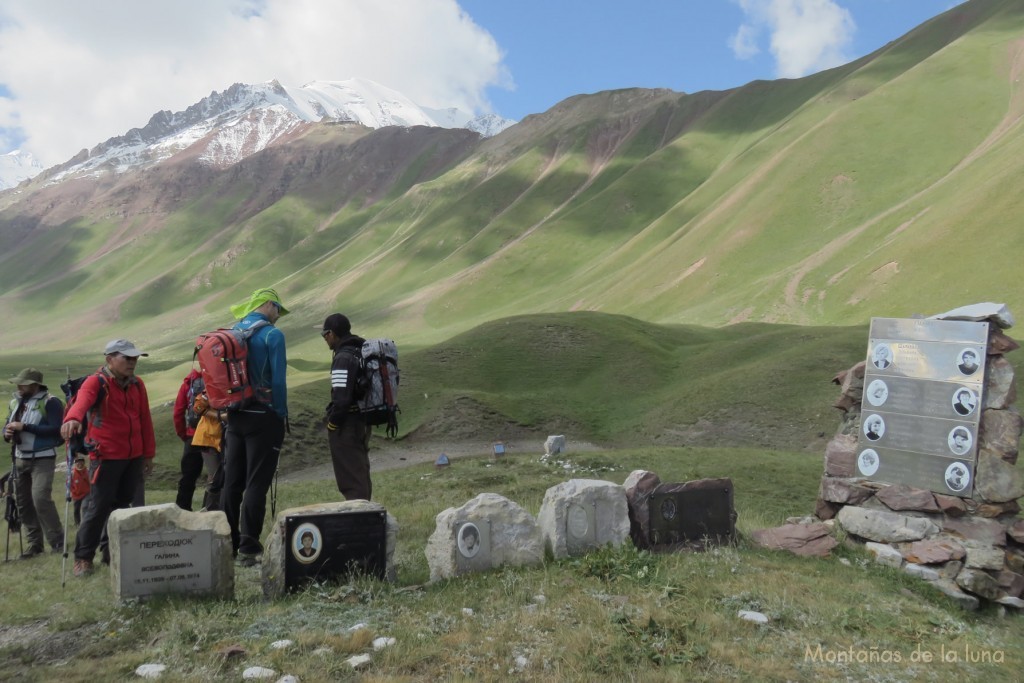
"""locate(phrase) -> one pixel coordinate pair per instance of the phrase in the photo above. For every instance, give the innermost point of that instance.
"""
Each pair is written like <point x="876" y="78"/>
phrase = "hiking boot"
<point x="83" y="568"/>
<point x="31" y="552"/>
<point x="247" y="560"/>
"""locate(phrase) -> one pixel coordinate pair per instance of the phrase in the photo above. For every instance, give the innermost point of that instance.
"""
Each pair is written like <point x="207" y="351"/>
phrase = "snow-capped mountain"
<point x="17" y="166"/>
<point x="245" y="119"/>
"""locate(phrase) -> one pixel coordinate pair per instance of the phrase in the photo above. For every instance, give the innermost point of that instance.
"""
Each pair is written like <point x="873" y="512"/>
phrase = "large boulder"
<point x="505" y="534"/>
<point x="583" y="514"/>
<point x="885" y="527"/>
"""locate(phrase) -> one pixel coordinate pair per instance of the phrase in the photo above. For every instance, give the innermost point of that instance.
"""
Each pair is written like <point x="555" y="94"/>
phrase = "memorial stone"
<point x="487" y="532"/>
<point x="692" y="514"/>
<point x="583" y="514"/>
<point x="328" y="540"/>
<point x="160" y="549"/>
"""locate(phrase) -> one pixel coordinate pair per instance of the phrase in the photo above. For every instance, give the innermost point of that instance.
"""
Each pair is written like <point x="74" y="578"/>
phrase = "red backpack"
<point x="223" y="362"/>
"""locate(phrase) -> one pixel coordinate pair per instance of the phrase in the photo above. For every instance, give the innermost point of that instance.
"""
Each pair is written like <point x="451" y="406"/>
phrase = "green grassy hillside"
<point x="887" y="186"/>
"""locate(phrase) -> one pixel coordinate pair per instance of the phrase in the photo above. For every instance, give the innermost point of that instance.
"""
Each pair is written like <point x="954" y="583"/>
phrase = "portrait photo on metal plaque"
<point x="335" y="546"/>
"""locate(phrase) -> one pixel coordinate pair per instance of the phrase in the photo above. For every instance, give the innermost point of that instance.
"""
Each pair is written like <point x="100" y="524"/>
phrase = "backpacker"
<point x="379" y="401"/>
<point x="196" y="387"/>
<point x="77" y="443"/>
<point x="223" y="362"/>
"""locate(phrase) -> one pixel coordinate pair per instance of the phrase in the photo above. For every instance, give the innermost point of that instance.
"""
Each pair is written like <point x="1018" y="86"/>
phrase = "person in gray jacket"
<point x="33" y="430"/>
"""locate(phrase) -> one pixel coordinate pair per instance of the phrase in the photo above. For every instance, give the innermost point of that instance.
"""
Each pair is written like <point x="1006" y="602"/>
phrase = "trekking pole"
<point x="273" y="498"/>
<point x="14" y="492"/>
<point x="67" y="512"/>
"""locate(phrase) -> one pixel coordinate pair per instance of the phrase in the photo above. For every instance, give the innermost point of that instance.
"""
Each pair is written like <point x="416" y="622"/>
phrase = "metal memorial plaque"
<point x="694" y="514"/>
<point x="581" y="528"/>
<point x="922" y="402"/>
<point x="166" y="562"/>
<point x="472" y="546"/>
<point x="322" y="547"/>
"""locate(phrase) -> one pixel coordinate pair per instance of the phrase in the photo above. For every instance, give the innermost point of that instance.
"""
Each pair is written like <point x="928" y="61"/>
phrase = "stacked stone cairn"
<point x="971" y="549"/>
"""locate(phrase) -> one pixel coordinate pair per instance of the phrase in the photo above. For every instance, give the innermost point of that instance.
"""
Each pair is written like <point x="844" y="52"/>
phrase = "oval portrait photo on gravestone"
<point x="877" y="393"/>
<point x="668" y="509"/>
<point x="868" y="461"/>
<point x="964" y="401"/>
<point x="469" y="540"/>
<point x="881" y="356"/>
<point x="968" y="361"/>
<point x="958" y="477"/>
<point x="959" y="440"/>
<point x="306" y="543"/>
<point x="874" y="427"/>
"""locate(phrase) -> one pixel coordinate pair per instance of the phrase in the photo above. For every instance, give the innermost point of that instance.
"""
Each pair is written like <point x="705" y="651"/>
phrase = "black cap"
<point x="338" y="324"/>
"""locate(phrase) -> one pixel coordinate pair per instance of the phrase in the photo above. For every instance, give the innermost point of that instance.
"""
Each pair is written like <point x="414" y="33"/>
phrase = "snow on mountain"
<point x="245" y="119"/>
<point x="17" y="166"/>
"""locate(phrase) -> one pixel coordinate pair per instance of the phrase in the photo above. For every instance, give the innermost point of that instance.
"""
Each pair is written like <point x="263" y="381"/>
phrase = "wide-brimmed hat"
<point x="123" y="347"/>
<point x="257" y="299"/>
<point x="28" y="376"/>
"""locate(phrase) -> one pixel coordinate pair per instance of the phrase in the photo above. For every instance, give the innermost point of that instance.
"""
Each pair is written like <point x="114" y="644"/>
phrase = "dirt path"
<point x="389" y="456"/>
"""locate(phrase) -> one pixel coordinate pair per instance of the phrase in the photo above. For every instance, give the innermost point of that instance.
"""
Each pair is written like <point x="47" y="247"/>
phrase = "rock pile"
<point x="970" y="548"/>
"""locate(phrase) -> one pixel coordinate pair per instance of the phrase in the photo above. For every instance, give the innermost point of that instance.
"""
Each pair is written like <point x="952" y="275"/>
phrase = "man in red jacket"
<point x="120" y="440"/>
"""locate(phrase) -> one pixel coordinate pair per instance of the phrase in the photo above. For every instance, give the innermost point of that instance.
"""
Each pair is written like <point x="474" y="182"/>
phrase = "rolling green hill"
<point x="888" y="186"/>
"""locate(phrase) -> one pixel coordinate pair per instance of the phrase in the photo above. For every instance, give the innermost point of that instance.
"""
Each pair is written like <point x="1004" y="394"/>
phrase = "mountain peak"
<point x="247" y="118"/>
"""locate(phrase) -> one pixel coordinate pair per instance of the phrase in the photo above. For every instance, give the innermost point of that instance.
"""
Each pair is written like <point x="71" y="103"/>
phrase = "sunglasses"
<point x="325" y="333"/>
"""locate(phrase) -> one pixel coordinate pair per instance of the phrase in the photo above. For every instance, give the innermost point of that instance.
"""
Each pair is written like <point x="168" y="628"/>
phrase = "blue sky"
<point x="73" y="74"/>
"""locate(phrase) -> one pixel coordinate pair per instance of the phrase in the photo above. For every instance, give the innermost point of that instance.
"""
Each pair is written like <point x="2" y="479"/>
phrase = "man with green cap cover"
<point x="33" y="429"/>
<point x="255" y="432"/>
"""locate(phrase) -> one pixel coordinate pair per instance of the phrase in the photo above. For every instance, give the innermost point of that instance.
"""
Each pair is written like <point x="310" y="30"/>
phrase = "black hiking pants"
<point x="350" y="455"/>
<point x="251" y="451"/>
<point x="116" y="485"/>
<point x="191" y="468"/>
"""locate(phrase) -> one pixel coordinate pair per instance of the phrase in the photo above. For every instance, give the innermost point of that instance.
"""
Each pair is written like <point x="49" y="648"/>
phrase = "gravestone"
<point x="692" y="514"/>
<point x="580" y="515"/>
<point x="326" y="541"/>
<point x="160" y="549"/>
<point x="487" y="532"/>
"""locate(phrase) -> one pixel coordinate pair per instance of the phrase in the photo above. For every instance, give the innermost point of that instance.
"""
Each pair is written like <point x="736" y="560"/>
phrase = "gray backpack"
<point x="379" y="402"/>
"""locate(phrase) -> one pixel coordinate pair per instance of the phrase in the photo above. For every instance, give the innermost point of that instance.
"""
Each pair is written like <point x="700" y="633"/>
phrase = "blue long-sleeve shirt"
<point x="267" y="361"/>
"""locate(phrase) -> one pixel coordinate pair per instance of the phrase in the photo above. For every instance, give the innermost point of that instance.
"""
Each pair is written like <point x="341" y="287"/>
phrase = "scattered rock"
<point x="921" y="572"/>
<point x="979" y="583"/>
<point x="281" y="644"/>
<point x="756" y="617"/>
<point x="383" y="642"/>
<point x="967" y="602"/>
<point x="358" y="661"/>
<point x="258" y="672"/>
<point x="885" y="554"/>
<point x="808" y="540"/>
<point x="150" y="670"/>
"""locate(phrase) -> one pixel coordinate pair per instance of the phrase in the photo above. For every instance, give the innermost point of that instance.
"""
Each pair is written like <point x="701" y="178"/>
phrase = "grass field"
<point x="612" y="615"/>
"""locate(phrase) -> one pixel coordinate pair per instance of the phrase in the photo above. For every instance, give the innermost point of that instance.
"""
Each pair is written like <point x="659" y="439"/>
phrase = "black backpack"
<point x="197" y="387"/>
<point x="77" y="443"/>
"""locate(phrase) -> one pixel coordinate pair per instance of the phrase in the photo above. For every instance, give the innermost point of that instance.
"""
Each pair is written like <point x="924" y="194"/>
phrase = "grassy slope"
<point x="859" y="191"/>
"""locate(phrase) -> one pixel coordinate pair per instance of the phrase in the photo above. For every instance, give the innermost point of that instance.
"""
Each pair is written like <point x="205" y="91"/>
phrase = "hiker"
<point x="120" y="441"/>
<point x="255" y="432"/>
<point x="348" y="434"/>
<point x="191" y="457"/>
<point x="33" y="430"/>
<point x="209" y="440"/>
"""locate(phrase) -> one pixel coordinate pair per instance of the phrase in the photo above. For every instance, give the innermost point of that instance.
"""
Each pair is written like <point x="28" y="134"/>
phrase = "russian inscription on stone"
<point x="166" y="562"/>
<point x="922" y="402"/>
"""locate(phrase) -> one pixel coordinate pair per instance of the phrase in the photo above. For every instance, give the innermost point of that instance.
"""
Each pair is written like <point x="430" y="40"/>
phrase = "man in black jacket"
<point x="347" y="431"/>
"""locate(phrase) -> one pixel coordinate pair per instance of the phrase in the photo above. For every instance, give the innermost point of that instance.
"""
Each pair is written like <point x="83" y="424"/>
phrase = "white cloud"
<point x="744" y="42"/>
<point x="81" y="72"/>
<point x="806" y="35"/>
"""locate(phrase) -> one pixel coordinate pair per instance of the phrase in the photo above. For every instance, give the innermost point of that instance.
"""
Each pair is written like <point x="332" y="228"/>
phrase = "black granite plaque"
<point x="692" y="514"/>
<point x="322" y="547"/>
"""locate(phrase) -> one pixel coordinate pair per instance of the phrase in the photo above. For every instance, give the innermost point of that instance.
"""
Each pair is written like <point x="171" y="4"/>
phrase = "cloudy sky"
<point x="74" y="73"/>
